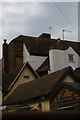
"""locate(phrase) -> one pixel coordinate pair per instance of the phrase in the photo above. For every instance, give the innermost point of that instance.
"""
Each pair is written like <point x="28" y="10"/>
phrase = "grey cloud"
<point x="51" y="18"/>
<point x="34" y="18"/>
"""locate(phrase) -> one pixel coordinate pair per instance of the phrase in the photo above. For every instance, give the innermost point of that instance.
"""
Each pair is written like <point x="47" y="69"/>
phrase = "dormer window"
<point x="71" y="57"/>
<point x="26" y="77"/>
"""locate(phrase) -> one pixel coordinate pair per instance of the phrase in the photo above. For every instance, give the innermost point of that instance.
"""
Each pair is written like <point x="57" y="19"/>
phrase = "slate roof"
<point x="38" y="88"/>
<point x="42" y="45"/>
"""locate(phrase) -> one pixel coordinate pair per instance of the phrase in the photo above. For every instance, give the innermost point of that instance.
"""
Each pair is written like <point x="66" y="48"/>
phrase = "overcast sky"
<point x="34" y="18"/>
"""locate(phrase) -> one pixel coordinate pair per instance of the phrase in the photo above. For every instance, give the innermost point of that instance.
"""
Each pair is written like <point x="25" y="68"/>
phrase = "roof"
<point x="36" y="46"/>
<point x="42" y="45"/>
<point x="38" y="88"/>
<point x="45" y="66"/>
<point x="8" y="79"/>
<point x="77" y="72"/>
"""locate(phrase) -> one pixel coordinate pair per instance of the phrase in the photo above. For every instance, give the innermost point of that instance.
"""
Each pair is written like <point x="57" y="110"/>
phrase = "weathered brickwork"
<point x="18" y="61"/>
<point x="11" y="59"/>
<point x="12" y="56"/>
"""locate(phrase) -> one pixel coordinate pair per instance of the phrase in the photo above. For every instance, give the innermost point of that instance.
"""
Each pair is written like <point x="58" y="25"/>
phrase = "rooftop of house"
<point x="45" y="66"/>
<point x="44" y="87"/>
<point x="42" y="44"/>
<point x="8" y="78"/>
<point x="77" y="72"/>
<point x="37" y="46"/>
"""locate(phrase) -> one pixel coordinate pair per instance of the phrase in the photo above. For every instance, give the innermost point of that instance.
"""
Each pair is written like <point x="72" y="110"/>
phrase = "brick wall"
<point x="18" y="53"/>
<point x="15" y="54"/>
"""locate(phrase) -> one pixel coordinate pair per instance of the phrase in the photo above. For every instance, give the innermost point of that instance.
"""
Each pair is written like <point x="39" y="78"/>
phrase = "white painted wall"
<point x="35" y="61"/>
<point x="25" y="54"/>
<point x="76" y="58"/>
<point x="79" y="61"/>
<point x="59" y="59"/>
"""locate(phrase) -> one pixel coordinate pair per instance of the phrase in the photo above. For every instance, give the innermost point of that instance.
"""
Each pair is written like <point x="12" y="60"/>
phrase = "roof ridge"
<point x="66" y="69"/>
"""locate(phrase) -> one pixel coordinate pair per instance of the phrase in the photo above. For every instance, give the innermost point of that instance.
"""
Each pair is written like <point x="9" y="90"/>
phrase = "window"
<point x="71" y="57"/>
<point x="26" y="77"/>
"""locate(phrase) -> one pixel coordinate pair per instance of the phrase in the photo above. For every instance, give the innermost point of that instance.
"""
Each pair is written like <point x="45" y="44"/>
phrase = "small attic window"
<point x="71" y="57"/>
<point x="26" y="77"/>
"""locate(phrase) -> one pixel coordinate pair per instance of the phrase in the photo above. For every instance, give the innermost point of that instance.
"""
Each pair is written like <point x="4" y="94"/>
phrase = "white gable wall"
<point x="35" y="61"/>
<point x="79" y="61"/>
<point x="76" y="58"/>
<point x="59" y="59"/>
<point x="25" y="54"/>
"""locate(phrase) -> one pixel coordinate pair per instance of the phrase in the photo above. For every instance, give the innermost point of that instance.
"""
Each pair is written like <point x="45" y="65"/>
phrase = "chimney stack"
<point x="45" y="35"/>
<point x="5" y="40"/>
<point x="5" y="57"/>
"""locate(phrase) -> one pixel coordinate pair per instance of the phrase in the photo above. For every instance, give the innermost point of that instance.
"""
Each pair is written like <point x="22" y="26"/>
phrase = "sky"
<point x="34" y="18"/>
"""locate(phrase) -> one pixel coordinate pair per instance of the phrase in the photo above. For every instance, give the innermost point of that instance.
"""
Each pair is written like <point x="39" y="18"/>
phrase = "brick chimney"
<point x="5" y="57"/>
<point x="45" y="35"/>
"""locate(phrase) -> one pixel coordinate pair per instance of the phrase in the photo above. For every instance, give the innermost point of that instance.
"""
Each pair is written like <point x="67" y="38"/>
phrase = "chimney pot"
<point x="5" y="40"/>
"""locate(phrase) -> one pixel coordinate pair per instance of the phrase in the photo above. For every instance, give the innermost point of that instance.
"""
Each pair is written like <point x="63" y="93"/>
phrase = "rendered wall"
<point x="35" y="61"/>
<point x="59" y="59"/>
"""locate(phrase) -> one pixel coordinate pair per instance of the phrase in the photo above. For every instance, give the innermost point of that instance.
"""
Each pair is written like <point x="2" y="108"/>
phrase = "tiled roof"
<point x="41" y="46"/>
<point x="8" y="78"/>
<point x="45" y="66"/>
<point x="77" y="72"/>
<point x="38" y="88"/>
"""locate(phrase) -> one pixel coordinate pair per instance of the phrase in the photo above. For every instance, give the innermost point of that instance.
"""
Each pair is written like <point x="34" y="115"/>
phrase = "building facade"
<point x="62" y="58"/>
<point x="57" y="91"/>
